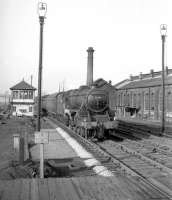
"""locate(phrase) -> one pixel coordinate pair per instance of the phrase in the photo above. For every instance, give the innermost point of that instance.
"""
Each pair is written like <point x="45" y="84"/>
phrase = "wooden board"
<point x="87" y="188"/>
<point x="25" y="189"/>
<point x="43" y="189"/>
<point x="41" y="137"/>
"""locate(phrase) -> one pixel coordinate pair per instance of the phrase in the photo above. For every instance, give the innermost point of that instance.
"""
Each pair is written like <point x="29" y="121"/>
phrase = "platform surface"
<point x="57" y="148"/>
<point x="85" y="188"/>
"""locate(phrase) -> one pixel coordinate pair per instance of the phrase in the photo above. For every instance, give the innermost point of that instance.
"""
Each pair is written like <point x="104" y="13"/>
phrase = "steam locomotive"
<point x="86" y="110"/>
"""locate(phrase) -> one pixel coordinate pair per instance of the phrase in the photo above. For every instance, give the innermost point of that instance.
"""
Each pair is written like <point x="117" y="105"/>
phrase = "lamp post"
<point x="163" y="30"/>
<point x="42" y="9"/>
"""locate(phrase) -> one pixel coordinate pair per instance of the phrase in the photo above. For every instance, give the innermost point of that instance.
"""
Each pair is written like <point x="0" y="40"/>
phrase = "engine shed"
<point x="143" y="95"/>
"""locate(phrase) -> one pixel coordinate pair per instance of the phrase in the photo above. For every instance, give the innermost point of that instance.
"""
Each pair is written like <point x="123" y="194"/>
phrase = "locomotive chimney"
<point x="90" y="51"/>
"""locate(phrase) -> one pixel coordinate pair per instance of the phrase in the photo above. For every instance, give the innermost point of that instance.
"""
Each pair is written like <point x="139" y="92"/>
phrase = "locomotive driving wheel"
<point x="77" y="130"/>
<point x="81" y="131"/>
<point x="100" y="131"/>
<point x="85" y="133"/>
<point x="91" y="133"/>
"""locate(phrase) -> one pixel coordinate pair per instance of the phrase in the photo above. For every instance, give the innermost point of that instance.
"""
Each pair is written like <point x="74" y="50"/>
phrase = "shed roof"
<point x="22" y="86"/>
<point x="144" y="83"/>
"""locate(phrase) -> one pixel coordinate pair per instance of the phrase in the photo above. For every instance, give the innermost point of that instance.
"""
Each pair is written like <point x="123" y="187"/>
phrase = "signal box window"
<point x="23" y="110"/>
<point x="14" y="108"/>
<point x="30" y="109"/>
<point x="30" y="94"/>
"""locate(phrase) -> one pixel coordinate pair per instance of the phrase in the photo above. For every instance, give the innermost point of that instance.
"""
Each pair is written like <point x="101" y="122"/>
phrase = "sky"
<point x="125" y="35"/>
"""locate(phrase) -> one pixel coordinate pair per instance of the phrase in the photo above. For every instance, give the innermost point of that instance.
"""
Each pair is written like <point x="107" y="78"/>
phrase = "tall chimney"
<point x="90" y="51"/>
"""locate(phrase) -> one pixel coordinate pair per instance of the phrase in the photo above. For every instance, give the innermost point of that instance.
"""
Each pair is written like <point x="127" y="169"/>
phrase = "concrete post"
<point x="16" y="146"/>
<point x="18" y="143"/>
<point x="26" y="150"/>
<point x="21" y="151"/>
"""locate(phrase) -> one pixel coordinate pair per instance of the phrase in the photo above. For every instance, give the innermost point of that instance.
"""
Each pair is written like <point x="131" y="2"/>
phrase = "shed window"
<point x="152" y="101"/>
<point x="139" y="102"/>
<point x="146" y="101"/>
<point x="119" y="97"/>
<point x="134" y="100"/>
<point x="124" y="100"/>
<point x="128" y="100"/>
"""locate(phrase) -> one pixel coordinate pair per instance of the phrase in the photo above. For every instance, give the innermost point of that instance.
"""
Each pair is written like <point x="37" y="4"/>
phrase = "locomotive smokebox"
<point x="90" y="51"/>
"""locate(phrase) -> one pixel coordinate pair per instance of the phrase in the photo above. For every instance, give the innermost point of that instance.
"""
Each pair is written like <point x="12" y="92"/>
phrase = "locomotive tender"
<point x="86" y="110"/>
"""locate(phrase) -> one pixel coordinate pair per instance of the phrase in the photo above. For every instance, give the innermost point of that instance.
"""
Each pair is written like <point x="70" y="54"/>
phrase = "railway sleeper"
<point x="154" y="163"/>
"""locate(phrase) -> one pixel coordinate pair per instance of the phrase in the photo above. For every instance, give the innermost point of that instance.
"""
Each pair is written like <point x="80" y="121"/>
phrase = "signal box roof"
<point x="22" y="86"/>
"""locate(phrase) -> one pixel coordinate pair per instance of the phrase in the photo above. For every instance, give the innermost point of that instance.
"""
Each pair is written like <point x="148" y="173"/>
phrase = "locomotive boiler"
<point x="94" y="117"/>
<point x="86" y="110"/>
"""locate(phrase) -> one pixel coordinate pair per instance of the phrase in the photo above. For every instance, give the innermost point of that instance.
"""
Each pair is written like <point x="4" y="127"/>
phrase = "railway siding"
<point x="148" y="160"/>
<point x="140" y="128"/>
<point x="151" y="150"/>
<point x="151" y="170"/>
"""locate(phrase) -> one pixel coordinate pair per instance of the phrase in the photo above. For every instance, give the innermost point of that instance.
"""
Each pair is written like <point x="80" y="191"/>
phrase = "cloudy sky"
<point x="124" y="33"/>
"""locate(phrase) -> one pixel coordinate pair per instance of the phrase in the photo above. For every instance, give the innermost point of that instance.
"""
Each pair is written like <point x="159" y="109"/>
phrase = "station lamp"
<point x="42" y="10"/>
<point x="163" y="31"/>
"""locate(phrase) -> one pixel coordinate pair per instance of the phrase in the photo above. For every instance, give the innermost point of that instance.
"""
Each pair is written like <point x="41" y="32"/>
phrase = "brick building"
<point x="22" y="99"/>
<point x="144" y="93"/>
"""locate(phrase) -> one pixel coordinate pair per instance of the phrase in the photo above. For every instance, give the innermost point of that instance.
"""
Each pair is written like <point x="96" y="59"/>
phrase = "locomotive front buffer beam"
<point x="110" y="125"/>
<point x="94" y="129"/>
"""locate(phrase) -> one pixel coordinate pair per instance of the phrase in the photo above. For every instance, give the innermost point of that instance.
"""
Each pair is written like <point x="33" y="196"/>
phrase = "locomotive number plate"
<point x="41" y="137"/>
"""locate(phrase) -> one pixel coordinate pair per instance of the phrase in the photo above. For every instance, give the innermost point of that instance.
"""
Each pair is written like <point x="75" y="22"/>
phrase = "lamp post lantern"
<point x="42" y="9"/>
<point x="163" y="30"/>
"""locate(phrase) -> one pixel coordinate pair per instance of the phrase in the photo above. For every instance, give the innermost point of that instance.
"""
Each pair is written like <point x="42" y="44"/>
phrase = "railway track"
<point x="150" y="160"/>
<point x="140" y="128"/>
<point x="157" y="149"/>
<point x="120" y="159"/>
<point x="151" y="149"/>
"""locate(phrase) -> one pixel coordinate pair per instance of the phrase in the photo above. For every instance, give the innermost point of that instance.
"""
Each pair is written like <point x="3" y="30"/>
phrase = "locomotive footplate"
<point x="94" y="129"/>
<point x="93" y="125"/>
<point x="88" y="125"/>
<point x="87" y="129"/>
